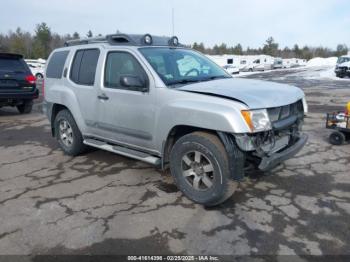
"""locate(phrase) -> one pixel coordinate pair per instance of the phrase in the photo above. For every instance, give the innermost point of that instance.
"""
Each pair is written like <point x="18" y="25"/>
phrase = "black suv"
<point x="17" y="84"/>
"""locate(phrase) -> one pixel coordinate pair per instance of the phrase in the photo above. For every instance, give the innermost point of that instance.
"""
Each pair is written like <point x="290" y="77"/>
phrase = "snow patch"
<point x="319" y="61"/>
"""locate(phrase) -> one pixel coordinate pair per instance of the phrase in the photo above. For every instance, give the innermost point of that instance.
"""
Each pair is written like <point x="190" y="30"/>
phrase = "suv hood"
<point x="254" y="93"/>
<point x="345" y="64"/>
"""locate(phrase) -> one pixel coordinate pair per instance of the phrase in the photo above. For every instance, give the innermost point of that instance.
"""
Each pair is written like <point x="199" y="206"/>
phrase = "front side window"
<point x="178" y="66"/>
<point x="84" y="67"/>
<point x="121" y="64"/>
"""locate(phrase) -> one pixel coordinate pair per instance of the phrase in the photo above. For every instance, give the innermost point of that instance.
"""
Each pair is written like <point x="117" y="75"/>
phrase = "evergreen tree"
<point x="237" y="50"/>
<point x="42" y="40"/>
<point x="270" y="47"/>
<point x="76" y="35"/>
<point x="89" y="34"/>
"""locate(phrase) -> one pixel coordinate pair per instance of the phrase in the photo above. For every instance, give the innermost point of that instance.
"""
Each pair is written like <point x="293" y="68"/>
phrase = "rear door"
<point x="82" y="81"/>
<point x="15" y="75"/>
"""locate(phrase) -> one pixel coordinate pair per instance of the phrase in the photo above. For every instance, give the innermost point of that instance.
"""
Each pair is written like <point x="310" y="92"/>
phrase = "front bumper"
<point x="342" y="71"/>
<point x="269" y="162"/>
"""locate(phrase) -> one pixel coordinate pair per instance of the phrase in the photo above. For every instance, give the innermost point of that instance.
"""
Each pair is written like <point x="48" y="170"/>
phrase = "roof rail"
<point x="85" y="41"/>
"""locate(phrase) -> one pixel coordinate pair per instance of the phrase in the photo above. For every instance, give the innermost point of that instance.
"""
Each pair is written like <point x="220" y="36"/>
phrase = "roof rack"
<point x="128" y="39"/>
<point x="85" y="41"/>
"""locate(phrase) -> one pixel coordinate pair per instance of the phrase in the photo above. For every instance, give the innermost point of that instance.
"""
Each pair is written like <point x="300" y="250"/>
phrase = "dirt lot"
<point x="101" y="203"/>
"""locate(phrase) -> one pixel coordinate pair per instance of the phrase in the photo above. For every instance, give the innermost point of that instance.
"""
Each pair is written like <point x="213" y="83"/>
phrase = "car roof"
<point x="11" y="55"/>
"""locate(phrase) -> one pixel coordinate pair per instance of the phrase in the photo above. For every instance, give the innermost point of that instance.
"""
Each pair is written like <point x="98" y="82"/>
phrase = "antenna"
<point x="172" y="21"/>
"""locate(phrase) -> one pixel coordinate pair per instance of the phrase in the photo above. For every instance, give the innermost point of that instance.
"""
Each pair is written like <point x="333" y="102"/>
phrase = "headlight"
<point x="257" y="120"/>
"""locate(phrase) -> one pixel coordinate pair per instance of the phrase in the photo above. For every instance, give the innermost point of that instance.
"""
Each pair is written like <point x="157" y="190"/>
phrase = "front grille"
<point x="282" y="112"/>
<point x="343" y="68"/>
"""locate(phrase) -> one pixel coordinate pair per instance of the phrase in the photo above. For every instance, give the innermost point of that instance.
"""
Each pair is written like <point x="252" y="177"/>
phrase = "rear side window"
<point x="84" y="66"/>
<point x="56" y="64"/>
<point x="12" y="65"/>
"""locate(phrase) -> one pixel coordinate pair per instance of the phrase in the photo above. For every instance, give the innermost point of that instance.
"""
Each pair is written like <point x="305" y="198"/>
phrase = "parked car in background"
<point x="231" y="69"/>
<point x="17" y="83"/>
<point x="342" y="67"/>
<point x="256" y="63"/>
<point x="277" y="63"/>
<point x="293" y="62"/>
<point x="37" y="67"/>
<point x="155" y="100"/>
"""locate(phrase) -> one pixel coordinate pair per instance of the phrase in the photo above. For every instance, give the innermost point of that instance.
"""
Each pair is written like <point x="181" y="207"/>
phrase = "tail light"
<point x="30" y="79"/>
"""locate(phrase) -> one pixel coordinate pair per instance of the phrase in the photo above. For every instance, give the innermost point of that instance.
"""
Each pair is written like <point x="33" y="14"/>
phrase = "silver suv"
<point x="152" y="99"/>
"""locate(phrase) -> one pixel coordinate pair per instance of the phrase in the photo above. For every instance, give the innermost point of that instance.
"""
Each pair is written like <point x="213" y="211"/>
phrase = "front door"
<point x="126" y="114"/>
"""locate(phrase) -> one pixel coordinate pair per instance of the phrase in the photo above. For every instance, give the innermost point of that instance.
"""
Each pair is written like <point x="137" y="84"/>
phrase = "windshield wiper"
<point x="215" y="77"/>
<point x="187" y="81"/>
<point x="184" y="81"/>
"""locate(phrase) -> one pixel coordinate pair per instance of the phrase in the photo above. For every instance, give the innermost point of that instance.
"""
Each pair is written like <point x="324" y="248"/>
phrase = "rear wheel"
<point x="68" y="134"/>
<point x="200" y="167"/>
<point x="337" y="138"/>
<point x="26" y="107"/>
<point x="39" y="76"/>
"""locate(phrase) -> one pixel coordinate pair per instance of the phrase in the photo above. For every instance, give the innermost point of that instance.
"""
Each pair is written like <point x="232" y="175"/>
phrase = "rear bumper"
<point x="19" y="95"/>
<point x="271" y="161"/>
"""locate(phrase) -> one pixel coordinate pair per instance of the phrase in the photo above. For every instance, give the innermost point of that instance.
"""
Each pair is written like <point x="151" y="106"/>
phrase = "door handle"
<point x="103" y="97"/>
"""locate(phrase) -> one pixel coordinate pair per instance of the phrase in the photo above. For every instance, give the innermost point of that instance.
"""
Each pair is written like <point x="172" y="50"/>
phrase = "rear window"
<point x="56" y="64"/>
<point x="12" y="65"/>
<point x="84" y="66"/>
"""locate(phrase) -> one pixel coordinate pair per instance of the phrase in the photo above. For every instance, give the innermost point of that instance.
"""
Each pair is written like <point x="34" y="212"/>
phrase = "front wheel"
<point x="200" y="167"/>
<point x="68" y="134"/>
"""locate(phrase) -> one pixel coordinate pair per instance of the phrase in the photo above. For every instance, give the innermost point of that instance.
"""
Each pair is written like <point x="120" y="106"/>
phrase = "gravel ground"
<point x="101" y="203"/>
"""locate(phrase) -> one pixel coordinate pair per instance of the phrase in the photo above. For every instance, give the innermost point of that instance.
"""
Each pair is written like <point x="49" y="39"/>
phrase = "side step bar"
<point x="123" y="151"/>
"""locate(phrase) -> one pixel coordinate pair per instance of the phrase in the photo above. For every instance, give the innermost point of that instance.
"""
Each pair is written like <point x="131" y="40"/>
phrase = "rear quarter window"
<point x="56" y="64"/>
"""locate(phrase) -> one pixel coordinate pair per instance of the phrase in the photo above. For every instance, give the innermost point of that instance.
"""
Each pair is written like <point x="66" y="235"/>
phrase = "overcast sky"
<point x="249" y="22"/>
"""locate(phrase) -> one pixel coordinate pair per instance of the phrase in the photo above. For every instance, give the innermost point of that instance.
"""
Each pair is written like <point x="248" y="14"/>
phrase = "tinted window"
<point x="84" y="66"/>
<point x="74" y="73"/>
<point x="12" y="65"/>
<point x="56" y="64"/>
<point x="119" y="64"/>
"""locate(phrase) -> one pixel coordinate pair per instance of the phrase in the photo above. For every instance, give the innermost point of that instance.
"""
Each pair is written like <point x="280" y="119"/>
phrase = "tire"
<point x="191" y="175"/>
<point x="250" y="70"/>
<point x="39" y="76"/>
<point x="337" y="138"/>
<point x="26" y="107"/>
<point x="68" y="134"/>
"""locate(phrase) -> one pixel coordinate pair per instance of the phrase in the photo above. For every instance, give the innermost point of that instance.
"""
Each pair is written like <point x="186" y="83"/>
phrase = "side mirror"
<point x="134" y="82"/>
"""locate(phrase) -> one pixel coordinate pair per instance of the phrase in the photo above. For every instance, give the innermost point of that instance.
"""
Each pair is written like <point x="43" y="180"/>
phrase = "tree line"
<point x="43" y="41"/>
<point x="272" y="48"/>
<point x="37" y="45"/>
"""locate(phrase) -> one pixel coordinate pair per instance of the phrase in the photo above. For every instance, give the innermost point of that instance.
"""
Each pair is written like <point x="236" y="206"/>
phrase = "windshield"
<point x="177" y="66"/>
<point x="343" y="60"/>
